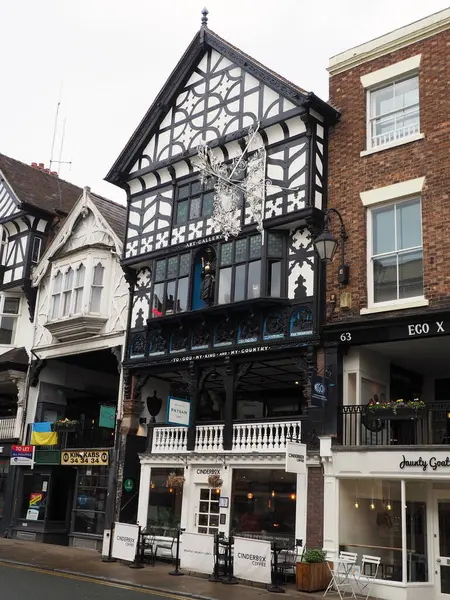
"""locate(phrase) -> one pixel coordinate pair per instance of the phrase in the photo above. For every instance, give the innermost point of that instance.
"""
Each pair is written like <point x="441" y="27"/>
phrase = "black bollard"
<point x="138" y="562"/>
<point x="177" y="571"/>
<point x="275" y="588"/>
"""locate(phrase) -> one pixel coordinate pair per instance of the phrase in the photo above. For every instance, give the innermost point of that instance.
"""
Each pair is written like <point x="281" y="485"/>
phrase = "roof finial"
<point x="205" y="13"/>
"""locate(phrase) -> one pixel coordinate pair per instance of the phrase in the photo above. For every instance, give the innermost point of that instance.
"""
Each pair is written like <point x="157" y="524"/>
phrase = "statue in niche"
<point x="208" y="277"/>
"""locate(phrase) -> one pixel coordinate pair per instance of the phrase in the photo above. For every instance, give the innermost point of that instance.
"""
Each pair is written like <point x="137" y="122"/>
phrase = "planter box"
<point x="387" y="414"/>
<point x="312" y="577"/>
<point x="66" y="428"/>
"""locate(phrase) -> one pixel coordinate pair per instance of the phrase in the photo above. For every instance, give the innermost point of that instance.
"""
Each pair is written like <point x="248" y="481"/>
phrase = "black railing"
<point x="88" y="437"/>
<point x="360" y="427"/>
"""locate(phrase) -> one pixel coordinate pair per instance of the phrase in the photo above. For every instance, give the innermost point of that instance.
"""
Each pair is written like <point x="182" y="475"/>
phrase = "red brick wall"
<point x="350" y="174"/>
<point x="314" y="514"/>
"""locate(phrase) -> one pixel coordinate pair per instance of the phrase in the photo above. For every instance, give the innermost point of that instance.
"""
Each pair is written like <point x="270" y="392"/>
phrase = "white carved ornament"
<point x="243" y="179"/>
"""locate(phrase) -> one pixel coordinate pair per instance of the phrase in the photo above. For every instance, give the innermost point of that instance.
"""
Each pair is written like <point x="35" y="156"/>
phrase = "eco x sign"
<point x="99" y="458"/>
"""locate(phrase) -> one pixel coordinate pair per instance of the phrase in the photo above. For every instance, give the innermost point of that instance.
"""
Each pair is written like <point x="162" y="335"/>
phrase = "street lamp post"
<point x="326" y="245"/>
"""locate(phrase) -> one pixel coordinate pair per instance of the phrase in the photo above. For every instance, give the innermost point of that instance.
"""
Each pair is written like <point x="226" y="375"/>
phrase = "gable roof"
<point x="115" y="214"/>
<point x="37" y="188"/>
<point x="202" y="40"/>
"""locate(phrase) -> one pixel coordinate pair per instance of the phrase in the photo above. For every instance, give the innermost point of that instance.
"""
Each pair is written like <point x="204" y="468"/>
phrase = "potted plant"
<point x="66" y="425"/>
<point x="175" y="481"/>
<point x="313" y="573"/>
<point x="396" y="409"/>
<point x="215" y="481"/>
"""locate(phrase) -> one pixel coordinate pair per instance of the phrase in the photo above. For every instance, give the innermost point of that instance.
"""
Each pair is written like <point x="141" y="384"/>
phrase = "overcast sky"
<point x="107" y="60"/>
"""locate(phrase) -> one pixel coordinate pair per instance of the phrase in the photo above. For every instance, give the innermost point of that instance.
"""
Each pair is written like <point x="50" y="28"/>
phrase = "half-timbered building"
<point x="33" y="202"/>
<point x="226" y="184"/>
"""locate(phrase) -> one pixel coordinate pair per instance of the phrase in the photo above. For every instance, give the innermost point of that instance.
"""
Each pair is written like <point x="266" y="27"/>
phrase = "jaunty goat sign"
<point x="252" y="560"/>
<point x="295" y="458"/>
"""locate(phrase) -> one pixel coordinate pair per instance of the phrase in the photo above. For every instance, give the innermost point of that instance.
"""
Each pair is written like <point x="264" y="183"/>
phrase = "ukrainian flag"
<point x="42" y="435"/>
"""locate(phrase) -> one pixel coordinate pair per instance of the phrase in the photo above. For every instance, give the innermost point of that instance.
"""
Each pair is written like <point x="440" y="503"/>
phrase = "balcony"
<point x="429" y="427"/>
<point x="263" y="437"/>
<point x="7" y="426"/>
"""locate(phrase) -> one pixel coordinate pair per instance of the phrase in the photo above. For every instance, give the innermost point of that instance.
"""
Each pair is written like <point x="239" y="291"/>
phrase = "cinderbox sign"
<point x="197" y="552"/>
<point x="125" y="541"/>
<point x="252" y="560"/>
<point x="178" y="411"/>
<point x="295" y="458"/>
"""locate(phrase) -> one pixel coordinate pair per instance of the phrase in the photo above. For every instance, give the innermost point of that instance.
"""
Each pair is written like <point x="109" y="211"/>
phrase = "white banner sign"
<point x="125" y="541"/>
<point x="252" y="560"/>
<point x="295" y="458"/>
<point x="197" y="552"/>
<point x="178" y="411"/>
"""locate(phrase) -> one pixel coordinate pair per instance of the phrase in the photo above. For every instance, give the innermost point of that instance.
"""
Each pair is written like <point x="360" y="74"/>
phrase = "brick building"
<point x="387" y="476"/>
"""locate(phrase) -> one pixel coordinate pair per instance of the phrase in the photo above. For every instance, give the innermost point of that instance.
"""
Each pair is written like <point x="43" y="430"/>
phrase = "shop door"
<point x="442" y="552"/>
<point x="206" y="518"/>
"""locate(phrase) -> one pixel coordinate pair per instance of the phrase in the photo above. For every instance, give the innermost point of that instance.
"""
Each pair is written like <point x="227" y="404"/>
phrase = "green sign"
<point x="128" y="485"/>
<point x="107" y="416"/>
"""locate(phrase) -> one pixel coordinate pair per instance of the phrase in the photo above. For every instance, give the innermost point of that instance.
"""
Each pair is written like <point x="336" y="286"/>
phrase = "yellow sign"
<point x="99" y="458"/>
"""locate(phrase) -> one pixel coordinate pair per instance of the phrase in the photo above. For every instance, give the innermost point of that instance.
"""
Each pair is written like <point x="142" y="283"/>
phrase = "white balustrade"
<point x="247" y="437"/>
<point x="7" y="425"/>
<point x="264" y="437"/>
<point x="168" y="440"/>
<point x="209" y="438"/>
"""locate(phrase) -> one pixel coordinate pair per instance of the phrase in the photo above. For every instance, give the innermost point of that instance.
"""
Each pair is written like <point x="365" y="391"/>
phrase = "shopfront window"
<point x="4" y="468"/>
<point x="90" y="500"/>
<point x="370" y="522"/>
<point x="263" y="503"/>
<point x="34" y="496"/>
<point x="164" y="508"/>
<point x="416" y="531"/>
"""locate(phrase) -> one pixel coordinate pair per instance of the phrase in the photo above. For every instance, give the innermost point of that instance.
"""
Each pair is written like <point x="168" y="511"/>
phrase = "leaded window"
<point x="194" y="201"/>
<point x="240" y="270"/>
<point x="171" y="285"/>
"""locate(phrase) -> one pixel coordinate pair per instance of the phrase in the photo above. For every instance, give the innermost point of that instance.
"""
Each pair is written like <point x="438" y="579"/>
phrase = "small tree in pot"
<point x="313" y="574"/>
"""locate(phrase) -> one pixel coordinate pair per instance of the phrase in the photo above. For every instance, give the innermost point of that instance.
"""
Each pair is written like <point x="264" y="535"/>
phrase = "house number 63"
<point x="346" y="337"/>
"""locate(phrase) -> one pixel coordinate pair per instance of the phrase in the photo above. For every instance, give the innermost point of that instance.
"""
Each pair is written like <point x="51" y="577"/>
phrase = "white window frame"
<point x="89" y="263"/>
<point x="15" y="316"/>
<point x="380" y="79"/>
<point x="402" y="303"/>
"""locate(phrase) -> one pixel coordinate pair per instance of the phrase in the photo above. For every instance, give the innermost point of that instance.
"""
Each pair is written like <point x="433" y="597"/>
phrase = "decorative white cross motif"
<point x="162" y="239"/>
<point x="132" y="248"/>
<point x="144" y="278"/>
<point x="178" y="235"/>
<point x="274" y="207"/>
<point x="147" y="244"/>
<point x="295" y="203"/>
<point x="210" y="230"/>
<point x="195" y="230"/>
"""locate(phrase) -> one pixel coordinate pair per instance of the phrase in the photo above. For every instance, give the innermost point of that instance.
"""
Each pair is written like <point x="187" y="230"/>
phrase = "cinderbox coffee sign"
<point x="432" y="463"/>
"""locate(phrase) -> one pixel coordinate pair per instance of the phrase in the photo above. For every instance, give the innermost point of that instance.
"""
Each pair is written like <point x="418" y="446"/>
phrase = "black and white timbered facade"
<point x="266" y="293"/>
<point x="226" y="183"/>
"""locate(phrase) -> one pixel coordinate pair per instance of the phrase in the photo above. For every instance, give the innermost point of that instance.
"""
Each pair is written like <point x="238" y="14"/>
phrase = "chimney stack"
<point x="41" y="167"/>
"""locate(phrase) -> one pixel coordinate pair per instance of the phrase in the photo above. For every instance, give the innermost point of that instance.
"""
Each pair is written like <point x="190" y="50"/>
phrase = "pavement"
<point x="58" y="572"/>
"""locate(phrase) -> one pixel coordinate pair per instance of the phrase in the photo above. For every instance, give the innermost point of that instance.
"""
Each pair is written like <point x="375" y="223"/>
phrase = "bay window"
<point x="195" y="201"/>
<point x="77" y="289"/>
<point x="170" y="290"/>
<point x="240" y="270"/>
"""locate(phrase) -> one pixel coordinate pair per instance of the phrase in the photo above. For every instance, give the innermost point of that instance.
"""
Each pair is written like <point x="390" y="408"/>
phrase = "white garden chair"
<point x="364" y="582"/>
<point x="342" y="575"/>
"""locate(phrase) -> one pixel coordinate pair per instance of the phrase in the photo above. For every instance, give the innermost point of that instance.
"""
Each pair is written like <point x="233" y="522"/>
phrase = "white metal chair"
<point x="364" y="581"/>
<point x="342" y="574"/>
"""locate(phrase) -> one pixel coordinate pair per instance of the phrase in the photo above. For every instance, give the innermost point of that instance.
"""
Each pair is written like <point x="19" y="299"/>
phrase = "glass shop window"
<point x="164" y="508"/>
<point x="34" y="496"/>
<point x="370" y="522"/>
<point x="90" y="500"/>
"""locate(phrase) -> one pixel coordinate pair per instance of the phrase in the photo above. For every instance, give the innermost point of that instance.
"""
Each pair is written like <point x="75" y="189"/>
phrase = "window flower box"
<point x="396" y="410"/>
<point x="66" y="425"/>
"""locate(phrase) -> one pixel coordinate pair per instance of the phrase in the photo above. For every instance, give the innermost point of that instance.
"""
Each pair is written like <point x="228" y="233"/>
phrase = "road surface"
<point x="19" y="583"/>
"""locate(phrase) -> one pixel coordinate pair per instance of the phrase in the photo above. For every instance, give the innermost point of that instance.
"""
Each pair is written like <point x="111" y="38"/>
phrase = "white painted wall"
<point x="364" y="373"/>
